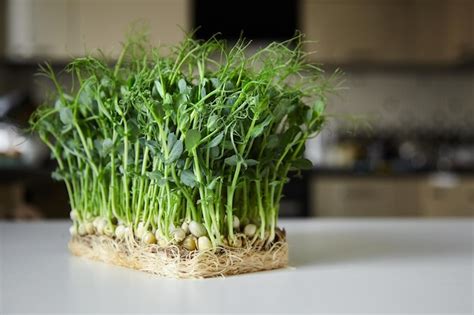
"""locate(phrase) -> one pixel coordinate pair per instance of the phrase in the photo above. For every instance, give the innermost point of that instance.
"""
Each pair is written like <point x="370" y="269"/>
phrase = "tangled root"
<point x="174" y="261"/>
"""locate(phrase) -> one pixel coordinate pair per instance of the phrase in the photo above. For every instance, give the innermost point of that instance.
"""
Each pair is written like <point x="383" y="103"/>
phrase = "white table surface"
<point x="354" y="266"/>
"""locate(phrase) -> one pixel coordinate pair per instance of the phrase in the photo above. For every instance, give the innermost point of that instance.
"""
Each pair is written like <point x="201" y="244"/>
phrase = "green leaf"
<point x="192" y="139"/>
<point x="231" y="100"/>
<point x="258" y="129"/>
<point x="159" y="88"/>
<point x="103" y="147"/>
<point x="213" y="183"/>
<point x="105" y="81"/>
<point x="302" y="164"/>
<point x="98" y="145"/>
<point x="309" y="115"/>
<point x="156" y="175"/>
<point x="281" y="109"/>
<point x="215" y="82"/>
<point x="182" y="86"/>
<point x="183" y="120"/>
<point x="85" y="98"/>
<point x="171" y="140"/>
<point x="56" y="175"/>
<point x="124" y="90"/>
<point x="176" y="151"/>
<point x="212" y="122"/>
<point x="250" y="162"/>
<point x="227" y="145"/>
<point x="58" y="104"/>
<point x="107" y="145"/>
<point x="168" y="99"/>
<point x="152" y="145"/>
<point x="188" y="178"/>
<point x="65" y="115"/>
<point x="182" y="99"/>
<point x="319" y="107"/>
<point x="289" y="135"/>
<point x="275" y="183"/>
<point x="272" y="141"/>
<point x="233" y="160"/>
<point x="215" y="152"/>
<point x="229" y="85"/>
<point x="217" y="139"/>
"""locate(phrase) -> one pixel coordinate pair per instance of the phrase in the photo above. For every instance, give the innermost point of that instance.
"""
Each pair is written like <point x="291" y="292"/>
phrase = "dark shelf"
<point x="368" y="173"/>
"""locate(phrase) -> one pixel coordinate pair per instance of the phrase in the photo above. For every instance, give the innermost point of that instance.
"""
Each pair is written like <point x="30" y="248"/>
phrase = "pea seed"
<point x="250" y="230"/>
<point x="197" y="229"/>
<point x="82" y="229"/>
<point x="73" y="230"/>
<point x="162" y="242"/>
<point x="236" y="222"/>
<point x="149" y="238"/>
<point x="120" y="232"/>
<point x="89" y="228"/>
<point x="185" y="227"/>
<point x="109" y="230"/>
<point x="179" y="235"/>
<point x="140" y="231"/>
<point x="204" y="243"/>
<point x="102" y="223"/>
<point x="236" y="242"/>
<point x="74" y="215"/>
<point x="190" y="242"/>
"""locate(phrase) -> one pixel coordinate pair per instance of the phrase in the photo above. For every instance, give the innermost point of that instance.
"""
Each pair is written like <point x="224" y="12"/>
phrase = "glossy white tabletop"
<point x="350" y="266"/>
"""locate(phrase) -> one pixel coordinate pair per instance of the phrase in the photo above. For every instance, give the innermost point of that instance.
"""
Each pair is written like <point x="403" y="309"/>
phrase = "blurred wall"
<point x="2" y="27"/>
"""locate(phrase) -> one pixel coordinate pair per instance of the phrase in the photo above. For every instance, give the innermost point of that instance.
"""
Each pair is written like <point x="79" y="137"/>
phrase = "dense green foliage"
<point x="206" y="133"/>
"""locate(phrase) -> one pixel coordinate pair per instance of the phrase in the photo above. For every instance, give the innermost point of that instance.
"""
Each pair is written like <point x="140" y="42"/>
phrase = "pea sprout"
<point x="189" y="147"/>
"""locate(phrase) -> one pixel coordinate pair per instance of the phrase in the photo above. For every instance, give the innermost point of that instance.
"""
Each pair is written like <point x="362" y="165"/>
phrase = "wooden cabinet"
<point x="354" y="31"/>
<point x="36" y="27"/>
<point x="391" y="196"/>
<point x="104" y="23"/>
<point x="364" y="196"/>
<point x="443" y="30"/>
<point x="389" y="31"/>
<point x="455" y="199"/>
<point x="3" y="15"/>
<point x="60" y="29"/>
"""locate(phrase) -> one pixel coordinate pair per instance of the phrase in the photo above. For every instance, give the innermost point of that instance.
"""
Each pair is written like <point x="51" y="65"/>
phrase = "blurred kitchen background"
<point x="401" y="141"/>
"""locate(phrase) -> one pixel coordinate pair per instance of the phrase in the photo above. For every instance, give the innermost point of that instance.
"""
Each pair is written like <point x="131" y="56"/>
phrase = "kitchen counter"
<point x="357" y="266"/>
